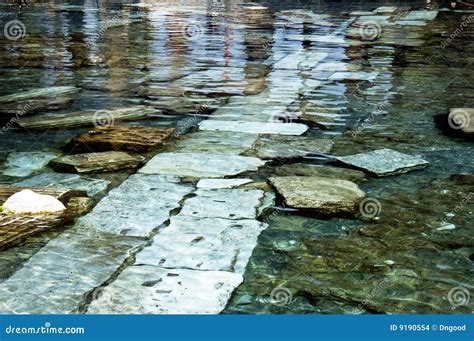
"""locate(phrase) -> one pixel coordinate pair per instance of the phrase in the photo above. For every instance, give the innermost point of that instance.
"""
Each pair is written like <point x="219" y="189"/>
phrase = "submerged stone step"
<point x="384" y="162"/>
<point x="138" y="206"/>
<point x="325" y="195"/>
<point x="154" y="290"/>
<point x="207" y="165"/>
<point x="96" y="162"/>
<point x="23" y="164"/>
<point x="84" y="119"/>
<point x="53" y="91"/>
<point x="121" y="138"/>
<point x="281" y="147"/>
<point x="254" y="127"/>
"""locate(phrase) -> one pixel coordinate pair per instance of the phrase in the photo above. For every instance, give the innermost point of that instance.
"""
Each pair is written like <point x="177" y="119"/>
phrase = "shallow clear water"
<point x="124" y="53"/>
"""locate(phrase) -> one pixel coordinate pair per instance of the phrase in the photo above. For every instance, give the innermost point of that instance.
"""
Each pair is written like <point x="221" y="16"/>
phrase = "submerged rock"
<point x="254" y="127"/>
<point x="325" y="195"/>
<point x="121" y="138"/>
<point x="221" y="183"/>
<point x="96" y="162"/>
<point x="66" y="181"/>
<point x="274" y="147"/>
<point x="459" y="122"/>
<point x="384" y="162"/>
<point x="200" y="164"/>
<point x="27" y="201"/>
<point x="54" y="91"/>
<point x="22" y="164"/>
<point x="302" y="169"/>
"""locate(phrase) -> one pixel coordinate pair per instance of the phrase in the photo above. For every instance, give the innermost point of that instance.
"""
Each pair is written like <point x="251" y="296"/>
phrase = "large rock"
<point x="384" y="162"/>
<point x="325" y="195"/>
<point x="53" y="91"/>
<point x="28" y="201"/>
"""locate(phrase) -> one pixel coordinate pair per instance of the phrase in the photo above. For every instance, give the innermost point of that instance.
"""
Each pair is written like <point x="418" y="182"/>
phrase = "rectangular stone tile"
<point x="254" y="127"/>
<point x="154" y="290"/>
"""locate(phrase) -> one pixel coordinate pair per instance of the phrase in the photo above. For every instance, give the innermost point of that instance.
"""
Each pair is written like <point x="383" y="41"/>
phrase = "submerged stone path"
<point x="156" y="244"/>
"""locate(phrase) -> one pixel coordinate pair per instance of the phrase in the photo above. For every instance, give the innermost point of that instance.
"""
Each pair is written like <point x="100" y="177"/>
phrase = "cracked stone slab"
<point x="154" y="290"/>
<point x="280" y="147"/>
<point x="207" y="165"/>
<point x="221" y="183"/>
<point x="254" y="127"/>
<point x="138" y="206"/>
<point x="325" y="195"/>
<point x="384" y="162"/>
<point x="56" y="279"/>
<point x="217" y="142"/>
<point x="66" y="181"/>
<point x="203" y="244"/>
<point x="224" y="203"/>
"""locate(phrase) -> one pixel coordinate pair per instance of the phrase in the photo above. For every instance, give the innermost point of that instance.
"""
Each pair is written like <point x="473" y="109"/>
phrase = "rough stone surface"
<point x="200" y="165"/>
<point x="254" y="127"/>
<point x="44" y="92"/>
<point x="328" y="196"/>
<point x="384" y="162"/>
<point x="96" y="162"/>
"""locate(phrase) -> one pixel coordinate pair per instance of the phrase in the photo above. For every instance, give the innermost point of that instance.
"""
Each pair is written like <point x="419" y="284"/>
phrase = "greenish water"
<point x="403" y="261"/>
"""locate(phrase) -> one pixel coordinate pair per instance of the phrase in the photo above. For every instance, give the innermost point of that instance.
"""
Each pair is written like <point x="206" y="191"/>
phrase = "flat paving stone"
<point x="154" y="290"/>
<point x="223" y="203"/>
<point x="221" y="183"/>
<point x="301" y="169"/>
<point x="138" y="206"/>
<point x="58" y="277"/>
<point x="200" y="165"/>
<point x="254" y="127"/>
<point x="205" y="244"/>
<point x="53" y="91"/>
<point x="281" y="147"/>
<point x="384" y="162"/>
<point x="325" y="195"/>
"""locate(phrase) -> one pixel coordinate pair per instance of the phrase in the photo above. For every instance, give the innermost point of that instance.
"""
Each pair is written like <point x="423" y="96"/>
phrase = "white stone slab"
<point x="154" y="290"/>
<point x="203" y="244"/>
<point x="383" y="162"/>
<point x="254" y="127"/>
<point x="200" y="164"/>
<point x="223" y="203"/>
<point x="138" y="206"/>
<point x="222" y="183"/>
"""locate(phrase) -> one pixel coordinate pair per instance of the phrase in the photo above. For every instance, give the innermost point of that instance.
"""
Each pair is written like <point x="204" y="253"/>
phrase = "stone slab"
<point x="281" y="147"/>
<point x="221" y="183"/>
<point x="23" y="164"/>
<point x="200" y="164"/>
<point x="384" y="162"/>
<point x="254" y="127"/>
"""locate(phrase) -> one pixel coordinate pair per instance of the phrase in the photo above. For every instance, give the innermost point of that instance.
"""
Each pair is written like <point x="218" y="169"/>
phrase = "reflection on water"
<point x="189" y="59"/>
